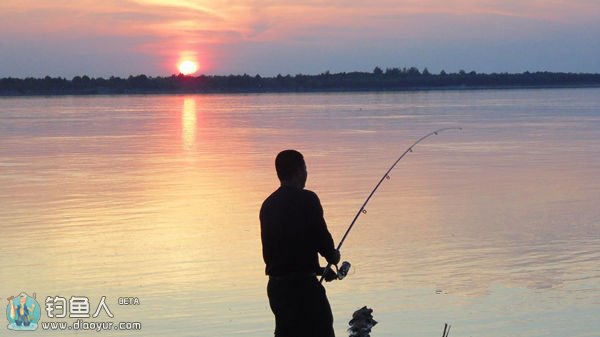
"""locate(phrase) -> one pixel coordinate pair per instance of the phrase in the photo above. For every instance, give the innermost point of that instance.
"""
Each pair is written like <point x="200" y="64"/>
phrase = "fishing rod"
<point x="343" y="270"/>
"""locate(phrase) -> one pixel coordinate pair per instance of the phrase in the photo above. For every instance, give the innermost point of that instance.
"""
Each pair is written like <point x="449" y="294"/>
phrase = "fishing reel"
<point x="343" y="270"/>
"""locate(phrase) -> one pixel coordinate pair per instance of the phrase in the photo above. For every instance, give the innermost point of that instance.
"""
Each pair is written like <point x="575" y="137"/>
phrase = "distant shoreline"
<point x="390" y="80"/>
<point x="409" y="89"/>
<point x="158" y="93"/>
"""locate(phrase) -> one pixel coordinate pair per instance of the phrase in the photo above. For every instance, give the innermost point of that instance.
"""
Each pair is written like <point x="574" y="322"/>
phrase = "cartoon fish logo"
<point x="23" y="312"/>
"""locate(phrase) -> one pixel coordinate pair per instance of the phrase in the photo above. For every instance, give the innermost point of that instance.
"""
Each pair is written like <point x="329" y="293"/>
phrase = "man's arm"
<point x="323" y="238"/>
<point x="265" y="240"/>
<point x="328" y="274"/>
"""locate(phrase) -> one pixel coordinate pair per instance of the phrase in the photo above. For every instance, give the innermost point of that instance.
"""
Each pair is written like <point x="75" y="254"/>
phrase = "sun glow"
<point x="188" y="67"/>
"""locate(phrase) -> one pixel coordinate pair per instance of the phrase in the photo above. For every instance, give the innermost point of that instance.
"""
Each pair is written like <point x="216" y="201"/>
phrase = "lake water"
<point x="494" y="229"/>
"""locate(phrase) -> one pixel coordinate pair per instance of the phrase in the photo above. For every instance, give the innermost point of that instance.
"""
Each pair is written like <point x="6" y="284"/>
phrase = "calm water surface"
<point x="494" y="229"/>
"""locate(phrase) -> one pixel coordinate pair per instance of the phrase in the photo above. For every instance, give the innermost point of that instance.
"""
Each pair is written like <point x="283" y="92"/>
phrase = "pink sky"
<point x="110" y="37"/>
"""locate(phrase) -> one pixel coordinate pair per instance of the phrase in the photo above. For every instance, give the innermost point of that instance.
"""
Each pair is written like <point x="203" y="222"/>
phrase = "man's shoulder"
<point x="310" y="194"/>
<point x="271" y="196"/>
<point x="305" y="194"/>
<point x="285" y="193"/>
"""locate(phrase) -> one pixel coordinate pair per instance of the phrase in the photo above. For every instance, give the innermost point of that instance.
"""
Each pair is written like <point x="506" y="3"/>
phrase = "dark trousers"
<point x="300" y="307"/>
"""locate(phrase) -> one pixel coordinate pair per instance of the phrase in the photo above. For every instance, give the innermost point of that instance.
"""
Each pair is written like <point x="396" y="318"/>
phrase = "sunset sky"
<point x="129" y="37"/>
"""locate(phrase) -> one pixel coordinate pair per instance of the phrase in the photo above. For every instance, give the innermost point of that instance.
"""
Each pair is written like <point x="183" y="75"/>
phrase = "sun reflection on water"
<point x="188" y="122"/>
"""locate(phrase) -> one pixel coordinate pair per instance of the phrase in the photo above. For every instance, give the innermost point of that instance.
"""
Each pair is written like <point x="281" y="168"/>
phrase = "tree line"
<point x="390" y="79"/>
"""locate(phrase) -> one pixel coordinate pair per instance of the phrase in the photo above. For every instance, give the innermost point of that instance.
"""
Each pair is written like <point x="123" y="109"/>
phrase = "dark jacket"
<point x="293" y="231"/>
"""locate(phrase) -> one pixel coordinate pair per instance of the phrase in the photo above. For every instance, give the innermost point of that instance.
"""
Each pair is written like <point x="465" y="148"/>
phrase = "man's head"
<point x="291" y="168"/>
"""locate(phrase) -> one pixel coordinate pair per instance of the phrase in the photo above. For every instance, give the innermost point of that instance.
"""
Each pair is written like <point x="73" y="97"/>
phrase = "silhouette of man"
<point x="293" y="232"/>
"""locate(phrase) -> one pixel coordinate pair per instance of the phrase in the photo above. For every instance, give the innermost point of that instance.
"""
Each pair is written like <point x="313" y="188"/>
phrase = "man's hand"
<point x="329" y="275"/>
<point x="335" y="258"/>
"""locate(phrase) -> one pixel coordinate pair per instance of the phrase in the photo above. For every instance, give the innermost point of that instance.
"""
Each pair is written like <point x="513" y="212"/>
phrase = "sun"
<point x="188" y="67"/>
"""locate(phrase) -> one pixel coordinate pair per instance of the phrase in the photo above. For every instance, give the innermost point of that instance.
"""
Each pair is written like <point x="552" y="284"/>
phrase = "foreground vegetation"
<point x="391" y="79"/>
